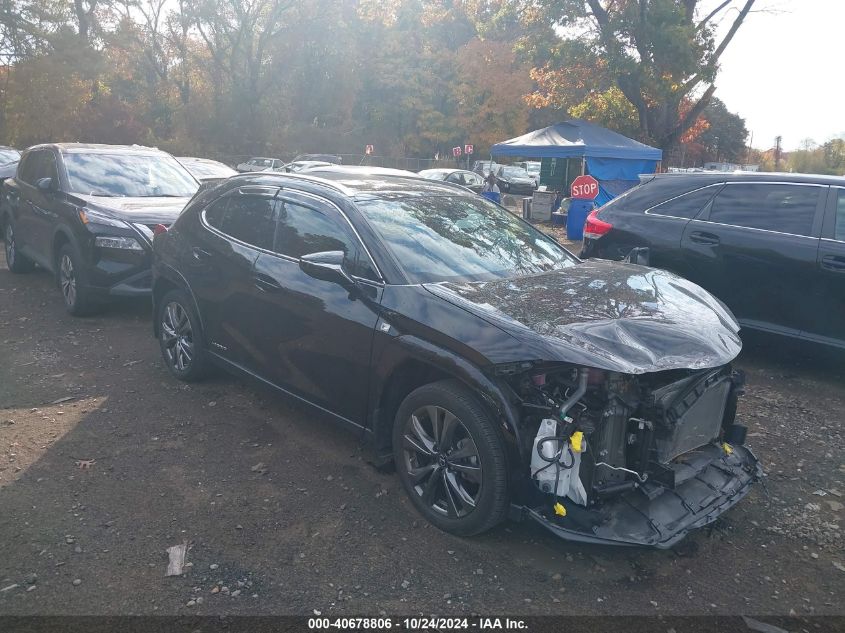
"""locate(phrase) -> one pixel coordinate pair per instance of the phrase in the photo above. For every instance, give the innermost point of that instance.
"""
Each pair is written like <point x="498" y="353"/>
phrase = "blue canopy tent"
<point x="616" y="161"/>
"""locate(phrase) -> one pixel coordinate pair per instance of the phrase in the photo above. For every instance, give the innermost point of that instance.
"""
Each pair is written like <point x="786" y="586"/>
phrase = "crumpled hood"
<point x="614" y="316"/>
<point x="140" y="210"/>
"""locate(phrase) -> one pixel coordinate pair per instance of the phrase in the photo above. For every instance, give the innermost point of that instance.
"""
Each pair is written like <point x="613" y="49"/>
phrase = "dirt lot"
<point x="105" y="461"/>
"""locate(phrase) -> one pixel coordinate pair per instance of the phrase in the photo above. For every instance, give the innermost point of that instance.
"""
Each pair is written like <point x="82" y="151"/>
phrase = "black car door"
<point x="43" y="206"/>
<point x="755" y="248"/>
<point x="230" y="234"/>
<point x="828" y="320"/>
<point x="316" y="336"/>
<point x="28" y="206"/>
<point x="661" y="227"/>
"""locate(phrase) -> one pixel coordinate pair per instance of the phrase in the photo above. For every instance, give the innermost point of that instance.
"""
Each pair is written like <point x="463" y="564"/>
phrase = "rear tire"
<point x="180" y="337"/>
<point x="17" y="263"/>
<point x="450" y="457"/>
<point x="73" y="283"/>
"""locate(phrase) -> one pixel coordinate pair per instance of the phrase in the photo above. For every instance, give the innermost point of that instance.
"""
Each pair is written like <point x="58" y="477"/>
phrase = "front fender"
<point x="400" y="350"/>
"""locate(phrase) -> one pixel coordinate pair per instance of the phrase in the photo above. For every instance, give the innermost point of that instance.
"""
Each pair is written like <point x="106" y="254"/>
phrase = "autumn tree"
<point x="661" y="55"/>
<point x="724" y="137"/>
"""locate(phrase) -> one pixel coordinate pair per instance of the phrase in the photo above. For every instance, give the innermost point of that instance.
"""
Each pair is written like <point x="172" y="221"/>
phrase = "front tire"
<point x="450" y="457"/>
<point x="180" y="337"/>
<point x="73" y="282"/>
<point x="16" y="262"/>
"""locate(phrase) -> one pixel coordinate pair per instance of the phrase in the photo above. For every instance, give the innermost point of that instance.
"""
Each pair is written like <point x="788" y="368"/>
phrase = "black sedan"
<point x="515" y="180"/>
<point x="771" y="246"/>
<point x="500" y="374"/>
<point x="468" y="179"/>
<point x="87" y="213"/>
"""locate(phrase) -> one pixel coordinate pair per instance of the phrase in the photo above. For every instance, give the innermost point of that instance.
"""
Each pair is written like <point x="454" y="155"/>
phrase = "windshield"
<point x="532" y="168"/>
<point x="460" y="238"/>
<point x="514" y="172"/>
<point x="8" y="155"/>
<point x="128" y="175"/>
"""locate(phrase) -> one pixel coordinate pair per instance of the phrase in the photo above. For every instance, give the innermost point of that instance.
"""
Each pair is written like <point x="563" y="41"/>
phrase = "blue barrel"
<point x="576" y="217"/>
<point x="493" y="196"/>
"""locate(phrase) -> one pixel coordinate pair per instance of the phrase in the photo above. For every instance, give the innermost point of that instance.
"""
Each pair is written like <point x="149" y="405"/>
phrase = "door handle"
<point x="699" y="237"/>
<point x="200" y="253"/>
<point x="265" y="283"/>
<point x="834" y="263"/>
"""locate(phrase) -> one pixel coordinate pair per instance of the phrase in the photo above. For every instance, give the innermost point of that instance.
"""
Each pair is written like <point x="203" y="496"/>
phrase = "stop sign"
<point x="585" y="188"/>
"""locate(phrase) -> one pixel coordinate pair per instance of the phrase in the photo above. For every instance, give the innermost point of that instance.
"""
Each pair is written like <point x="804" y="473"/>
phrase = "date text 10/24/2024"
<point x="417" y="624"/>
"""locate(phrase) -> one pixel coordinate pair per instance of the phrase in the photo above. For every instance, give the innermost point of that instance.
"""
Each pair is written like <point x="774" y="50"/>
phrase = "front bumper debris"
<point x="708" y="482"/>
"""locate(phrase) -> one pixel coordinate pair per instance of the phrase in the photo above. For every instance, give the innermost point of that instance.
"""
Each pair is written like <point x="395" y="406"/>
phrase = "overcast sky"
<point x="784" y="72"/>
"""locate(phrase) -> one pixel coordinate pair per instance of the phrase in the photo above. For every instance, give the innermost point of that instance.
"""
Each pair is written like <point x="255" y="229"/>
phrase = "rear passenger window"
<point x="250" y="219"/>
<point x="686" y="206"/>
<point x="773" y="207"/>
<point x="839" y="220"/>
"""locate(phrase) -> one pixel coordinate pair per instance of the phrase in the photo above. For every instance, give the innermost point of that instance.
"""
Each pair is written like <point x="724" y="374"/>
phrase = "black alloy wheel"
<point x="16" y="262"/>
<point x="451" y="458"/>
<point x="67" y="279"/>
<point x="72" y="282"/>
<point x="442" y="461"/>
<point x="180" y="338"/>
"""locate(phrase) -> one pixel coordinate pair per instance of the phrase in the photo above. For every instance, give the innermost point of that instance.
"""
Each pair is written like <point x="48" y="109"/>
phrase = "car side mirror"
<point x="327" y="266"/>
<point x="45" y="184"/>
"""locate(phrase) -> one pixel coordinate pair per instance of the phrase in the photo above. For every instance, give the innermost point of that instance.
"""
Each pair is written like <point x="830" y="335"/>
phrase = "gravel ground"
<point x="106" y="461"/>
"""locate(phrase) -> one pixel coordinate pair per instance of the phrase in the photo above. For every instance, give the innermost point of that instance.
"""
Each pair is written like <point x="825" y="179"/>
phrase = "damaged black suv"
<point x="503" y="376"/>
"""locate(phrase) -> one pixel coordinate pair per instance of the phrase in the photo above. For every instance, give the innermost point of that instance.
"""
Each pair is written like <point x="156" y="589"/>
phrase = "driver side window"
<point x="302" y="230"/>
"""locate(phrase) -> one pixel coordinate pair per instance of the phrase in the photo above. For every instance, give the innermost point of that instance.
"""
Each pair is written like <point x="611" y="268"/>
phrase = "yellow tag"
<point x="728" y="448"/>
<point x="577" y="441"/>
<point x="559" y="509"/>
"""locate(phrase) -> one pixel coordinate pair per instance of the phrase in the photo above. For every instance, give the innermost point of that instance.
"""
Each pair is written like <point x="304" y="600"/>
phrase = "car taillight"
<point x="595" y="228"/>
<point x="158" y="229"/>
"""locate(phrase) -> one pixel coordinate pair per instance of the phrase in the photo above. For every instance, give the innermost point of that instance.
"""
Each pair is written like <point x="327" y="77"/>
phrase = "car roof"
<point x="341" y="172"/>
<point x="707" y="177"/>
<point x="314" y="163"/>
<point x="201" y="160"/>
<point x="98" y="148"/>
<point x="446" y="170"/>
<point x="359" y="185"/>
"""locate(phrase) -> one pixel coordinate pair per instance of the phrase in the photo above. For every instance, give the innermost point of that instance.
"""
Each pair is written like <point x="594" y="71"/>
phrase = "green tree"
<point x="662" y="55"/>
<point x="725" y="136"/>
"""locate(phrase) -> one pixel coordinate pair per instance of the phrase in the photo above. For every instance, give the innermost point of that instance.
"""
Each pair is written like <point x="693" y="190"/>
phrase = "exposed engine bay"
<point x="636" y="459"/>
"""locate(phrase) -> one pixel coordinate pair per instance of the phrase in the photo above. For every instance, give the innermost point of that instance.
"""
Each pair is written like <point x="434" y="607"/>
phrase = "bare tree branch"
<point x="717" y="53"/>
<point x="712" y="15"/>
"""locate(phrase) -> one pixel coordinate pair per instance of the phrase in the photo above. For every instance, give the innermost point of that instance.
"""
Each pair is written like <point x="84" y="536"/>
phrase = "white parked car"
<point x="260" y="164"/>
